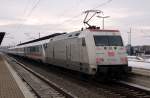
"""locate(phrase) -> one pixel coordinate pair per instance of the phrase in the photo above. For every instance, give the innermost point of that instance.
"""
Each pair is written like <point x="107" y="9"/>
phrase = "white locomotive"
<point x="91" y="51"/>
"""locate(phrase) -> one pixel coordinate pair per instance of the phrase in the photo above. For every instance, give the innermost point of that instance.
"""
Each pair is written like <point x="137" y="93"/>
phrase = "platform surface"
<point x="8" y="85"/>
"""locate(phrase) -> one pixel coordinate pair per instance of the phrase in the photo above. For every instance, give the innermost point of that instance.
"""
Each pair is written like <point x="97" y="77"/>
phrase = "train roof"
<point x="67" y="35"/>
<point x="42" y="38"/>
<point x="103" y="30"/>
<point x="94" y="28"/>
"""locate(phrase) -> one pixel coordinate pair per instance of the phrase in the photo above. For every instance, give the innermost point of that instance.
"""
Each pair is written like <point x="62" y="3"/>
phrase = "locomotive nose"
<point x="110" y="55"/>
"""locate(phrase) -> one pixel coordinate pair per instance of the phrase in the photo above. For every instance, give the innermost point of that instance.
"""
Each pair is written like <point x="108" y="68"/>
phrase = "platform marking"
<point x="21" y="84"/>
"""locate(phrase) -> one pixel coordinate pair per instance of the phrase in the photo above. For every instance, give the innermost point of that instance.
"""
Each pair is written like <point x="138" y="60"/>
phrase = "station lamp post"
<point x="129" y="41"/>
<point x="129" y="37"/>
<point x="103" y="17"/>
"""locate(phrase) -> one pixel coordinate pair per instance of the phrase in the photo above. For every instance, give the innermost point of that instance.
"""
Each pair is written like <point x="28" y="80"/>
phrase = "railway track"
<point x="126" y="90"/>
<point x="136" y="87"/>
<point x="52" y="90"/>
<point x="113" y="89"/>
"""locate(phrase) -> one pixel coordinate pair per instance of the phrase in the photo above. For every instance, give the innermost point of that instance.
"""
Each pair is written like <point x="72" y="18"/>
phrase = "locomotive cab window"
<point x="115" y="41"/>
<point x="101" y="40"/>
<point x="108" y="41"/>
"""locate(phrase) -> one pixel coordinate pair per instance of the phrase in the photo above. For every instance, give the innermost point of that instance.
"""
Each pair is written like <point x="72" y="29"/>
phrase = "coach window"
<point x="83" y="42"/>
<point x="70" y="36"/>
<point x="77" y="34"/>
<point x="32" y="49"/>
<point x="28" y="49"/>
<point x="37" y="48"/>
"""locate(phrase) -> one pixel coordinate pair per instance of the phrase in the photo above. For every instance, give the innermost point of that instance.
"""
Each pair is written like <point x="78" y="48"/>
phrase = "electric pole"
<point x="129" y="41"/>
<point x="39" y="35"/>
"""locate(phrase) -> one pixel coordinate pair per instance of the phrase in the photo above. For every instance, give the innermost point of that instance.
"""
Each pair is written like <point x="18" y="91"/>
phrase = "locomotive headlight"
<point x="124" y="59"/>
<point x="99" y="60"/>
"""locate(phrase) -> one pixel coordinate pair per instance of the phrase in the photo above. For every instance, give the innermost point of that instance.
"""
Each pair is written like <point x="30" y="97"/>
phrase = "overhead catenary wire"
<point x="28" y="12"/>
<point x="24" y="13"/>
<point x="76" y="16"/>
<point x="23" y="19"/>
<point x="26" y="8"/>
<point x="33" y="8"/>
<point x="72" y="18"/>
<point x="78" y="3"/>
<point x="102" y="4"/>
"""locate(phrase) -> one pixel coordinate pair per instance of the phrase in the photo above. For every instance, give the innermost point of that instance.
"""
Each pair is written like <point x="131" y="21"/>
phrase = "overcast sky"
<point x="23" y="20"/>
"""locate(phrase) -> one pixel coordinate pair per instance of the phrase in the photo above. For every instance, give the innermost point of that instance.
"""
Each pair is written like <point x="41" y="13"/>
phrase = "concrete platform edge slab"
<point x="21" y="85"/>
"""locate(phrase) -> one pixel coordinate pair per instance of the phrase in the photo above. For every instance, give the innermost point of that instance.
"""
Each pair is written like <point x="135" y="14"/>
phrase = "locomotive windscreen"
<point x="108" y="41"/>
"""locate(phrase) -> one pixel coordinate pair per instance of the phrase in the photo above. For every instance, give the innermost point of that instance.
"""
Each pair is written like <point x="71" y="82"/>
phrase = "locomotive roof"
<point x="42" y="38"/>
<point x="104" y="30"/>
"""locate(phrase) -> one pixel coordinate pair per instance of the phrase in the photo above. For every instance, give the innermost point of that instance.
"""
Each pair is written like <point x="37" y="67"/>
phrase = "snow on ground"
<point x="147" y="60"/>
<point x="144" y="65"/>
<point x="138" y="62"/>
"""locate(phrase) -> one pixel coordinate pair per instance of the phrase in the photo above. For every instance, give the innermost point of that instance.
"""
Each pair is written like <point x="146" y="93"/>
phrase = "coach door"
<point x="68" y="52"/>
